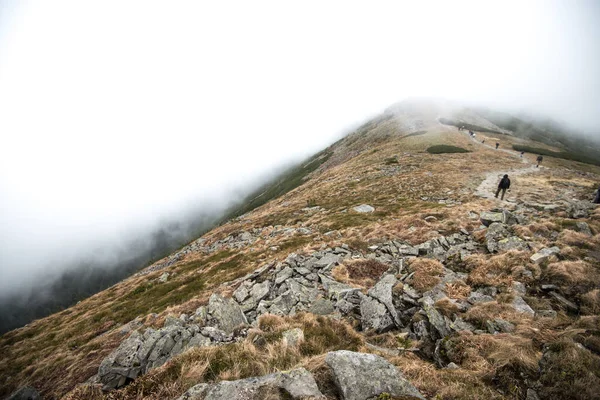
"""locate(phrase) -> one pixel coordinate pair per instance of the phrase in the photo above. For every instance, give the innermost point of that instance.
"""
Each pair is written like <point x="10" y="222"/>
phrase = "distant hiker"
<point x="483" y="141"/>
<point x="522" y="154"/>
<point x="497" y="144"/>
<point x="503" y="185"/>
<point x="597" y="199"/>
<point x="539" y="160"/>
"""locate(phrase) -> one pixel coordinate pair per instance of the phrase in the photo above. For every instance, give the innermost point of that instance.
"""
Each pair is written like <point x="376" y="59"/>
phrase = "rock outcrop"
<point x="361" y="376"/>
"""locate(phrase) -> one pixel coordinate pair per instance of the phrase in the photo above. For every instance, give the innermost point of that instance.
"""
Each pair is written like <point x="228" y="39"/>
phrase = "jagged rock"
<point x="549" y="287"/>
<point x="436" y="320"/>
<point x="521" y="306"/>
<point x="544" y="254"/>
<point x="296" y="384"/>
<point x="327" y="260"/>
<point x="215" y="334"/>
<point x="364" y="208"/>
<point x="284" y="275"/>
<point x="512" y="243"/>
<point x="584" y="228"/>
<point x="334" y="288"/>
<point x="495" y="232"/>
<point x="322" y="307"/>
<point x="360" y="376"/>
<point x="382" y="291"/>
<point x="25" y="393"/>
<point x="374" y="315"/>
<point x="452" y="366"/>
<point x="258" y="292"/>
<point x="564" y="302"/>
<point x="293" y="337"/>
<point x="302" y="293"/>
<point x="200" y="315"/>
<point x="420" y="329"/>
<point x="476" y="297"/>
<point x="579" y="209"/>
<point x="242" y="292"/>
<point x="226" y="313"/>
<point x="164" y="277"/>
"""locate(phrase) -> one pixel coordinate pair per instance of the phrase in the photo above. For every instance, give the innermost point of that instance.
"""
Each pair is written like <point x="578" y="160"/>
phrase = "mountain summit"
<point x="383" y="267"/>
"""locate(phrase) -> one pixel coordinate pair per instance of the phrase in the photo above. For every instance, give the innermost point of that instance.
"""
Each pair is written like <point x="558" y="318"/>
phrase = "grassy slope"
<point x="64" y="349"/>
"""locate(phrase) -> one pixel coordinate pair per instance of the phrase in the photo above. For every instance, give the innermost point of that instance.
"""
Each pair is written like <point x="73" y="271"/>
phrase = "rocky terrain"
<point x="391" y="273"/>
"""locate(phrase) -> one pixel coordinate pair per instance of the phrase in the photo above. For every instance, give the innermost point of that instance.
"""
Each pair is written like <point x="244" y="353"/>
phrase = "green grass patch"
<point x="445" y="148"/>
<point x="565" y="155"/>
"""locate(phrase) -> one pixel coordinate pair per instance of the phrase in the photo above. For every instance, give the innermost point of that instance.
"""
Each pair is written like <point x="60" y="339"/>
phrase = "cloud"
<point x="115" y="116"/>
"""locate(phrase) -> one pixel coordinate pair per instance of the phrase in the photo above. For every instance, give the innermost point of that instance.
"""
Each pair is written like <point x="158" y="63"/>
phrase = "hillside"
<point x="385" y="249"/>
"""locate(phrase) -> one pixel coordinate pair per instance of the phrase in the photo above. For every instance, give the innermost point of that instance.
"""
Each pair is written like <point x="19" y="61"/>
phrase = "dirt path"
<point x="487" y="188"/>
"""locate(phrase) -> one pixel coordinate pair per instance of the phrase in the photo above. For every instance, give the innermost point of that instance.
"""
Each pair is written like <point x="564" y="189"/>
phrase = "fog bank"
<point x="118" y="116"/>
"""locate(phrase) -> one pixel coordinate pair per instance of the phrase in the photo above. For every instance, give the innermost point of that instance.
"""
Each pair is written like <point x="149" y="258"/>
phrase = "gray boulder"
<point x="579" y="209"/>
<point x="544" y="254"/>
<point x="499" y="239"/>
<point x="25" y="393"/>
<point x="361" y="376"/>
<point x="322" y="307"/>
<point x="225" y="313"/>
<point x="382" y="291"/>
<point x="295" y="384"/>
<point x="436" y="319"/>
<point x="293" y="337"/>
<point x="374" y="315"/>
<point x="122" y="364"/>
<point x="364" y="208"/>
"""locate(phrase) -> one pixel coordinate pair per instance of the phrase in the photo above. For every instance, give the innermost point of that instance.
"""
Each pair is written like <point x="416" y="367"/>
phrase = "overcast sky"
<point x="114" y="114"/>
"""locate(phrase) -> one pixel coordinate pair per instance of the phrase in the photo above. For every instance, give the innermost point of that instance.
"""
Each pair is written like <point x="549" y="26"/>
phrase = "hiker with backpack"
<point x="497" y="144"/>
<point x="597" y="199"/>
<point x="503" y="186"/>
<point x="539" y="160"/>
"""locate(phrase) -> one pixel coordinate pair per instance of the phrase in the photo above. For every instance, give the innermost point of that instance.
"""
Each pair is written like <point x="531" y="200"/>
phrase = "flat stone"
<point x="360" y="376"/>
<point x="544" y="254"/>
<point x="226" y="313"/>
<point x="364" y="208"/>
<point x="25" y="393"/>
<point x="436" y="319"/>
<point x="327" y="260"/>
<point x="283" y="275"/>
<point x="296" y="384"/>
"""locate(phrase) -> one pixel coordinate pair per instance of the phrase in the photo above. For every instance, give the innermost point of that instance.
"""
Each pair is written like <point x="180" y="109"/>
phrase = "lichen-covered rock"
<point x="360" y="376"/>
<point x="436" y="319"/>
<point x="296" y="384"/>
<point x="226" y="313"/>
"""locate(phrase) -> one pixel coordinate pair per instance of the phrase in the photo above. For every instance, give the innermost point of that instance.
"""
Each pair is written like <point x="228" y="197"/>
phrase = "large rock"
<point x="25" y="393"/>
<point x="361" y="376"/>
<point x="382" y="291"/>
<point x="295" y="384"/>
<point x="374" y="315"/>
<point x="499" y="239"/>
<point x="564" y="302"/>
<point x="226" y="313"/>
<point x="544" y="254"/>
<point x="141" y="352"/>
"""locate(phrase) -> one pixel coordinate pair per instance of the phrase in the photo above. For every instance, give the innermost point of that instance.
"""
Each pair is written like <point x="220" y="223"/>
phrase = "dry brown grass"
<point x="361" y="273"/>
<point x="447" y="307"/>
<point x="499" y="270"/>
<point x="458" y="290"/>
<point x="427" y="273"/>
<point x="590" y="302"/>
<point x="568" y="273"/>
<point x="482" y="312"/>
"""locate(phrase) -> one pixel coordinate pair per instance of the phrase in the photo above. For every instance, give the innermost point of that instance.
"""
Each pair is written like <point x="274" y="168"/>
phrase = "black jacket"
<point x="504" y="183"/>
